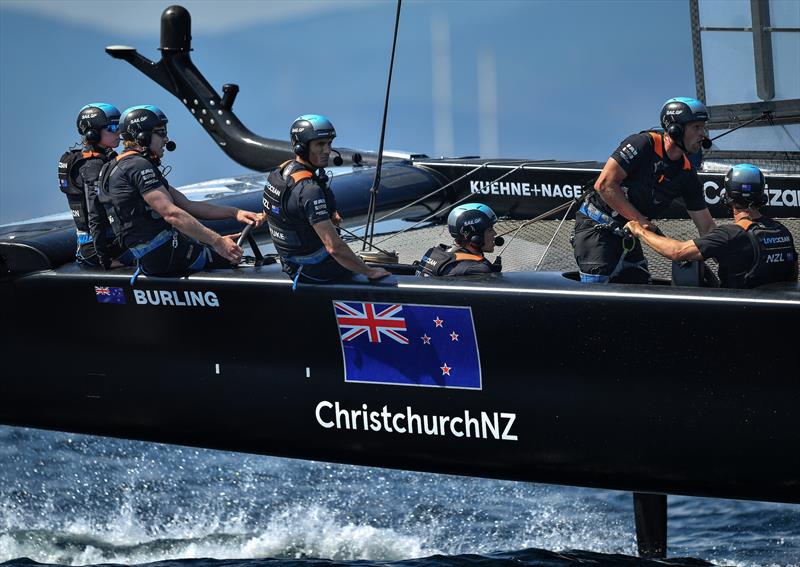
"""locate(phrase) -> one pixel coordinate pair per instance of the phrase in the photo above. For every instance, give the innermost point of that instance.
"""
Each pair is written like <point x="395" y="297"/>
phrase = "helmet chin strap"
<point x="678" y="143"/>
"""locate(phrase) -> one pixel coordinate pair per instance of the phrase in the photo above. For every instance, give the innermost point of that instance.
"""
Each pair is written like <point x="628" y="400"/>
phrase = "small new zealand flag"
<point x="109" y="294"/>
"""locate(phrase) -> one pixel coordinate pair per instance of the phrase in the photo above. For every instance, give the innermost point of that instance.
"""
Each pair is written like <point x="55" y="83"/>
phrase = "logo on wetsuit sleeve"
<point x="628" y="153"/>
<point x="320" y="205"/>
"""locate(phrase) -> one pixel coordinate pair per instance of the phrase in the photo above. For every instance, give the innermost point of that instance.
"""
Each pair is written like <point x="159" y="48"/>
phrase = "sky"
<point x="572" y="77"/>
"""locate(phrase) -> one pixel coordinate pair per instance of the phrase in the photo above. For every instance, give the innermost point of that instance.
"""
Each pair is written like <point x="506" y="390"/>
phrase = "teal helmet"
<point x="678" y="112"/>
<point x="138" y="122"/>
<point x="468" y="222"/>
<point x="744" y="185"/>
<point x="95" y="117"/>
<point x="309" y="127"/>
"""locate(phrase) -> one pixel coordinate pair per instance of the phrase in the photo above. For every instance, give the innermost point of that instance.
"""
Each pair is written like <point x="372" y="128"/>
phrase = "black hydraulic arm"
<point x="177" y="74"/>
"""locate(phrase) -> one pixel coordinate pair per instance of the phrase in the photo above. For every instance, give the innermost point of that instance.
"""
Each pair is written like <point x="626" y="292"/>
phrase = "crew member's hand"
<point x="651" y="226"/>
<point x="377" y="273"/>
<point x="336" y="218"/>
<point x="635" y="228"/>
<point x="226" y="247"/>
<point x="249" y="217"/>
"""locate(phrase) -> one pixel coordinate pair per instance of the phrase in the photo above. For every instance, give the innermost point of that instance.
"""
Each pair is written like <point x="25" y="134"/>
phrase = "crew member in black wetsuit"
<point x="152" y="218"/>
<point x="754" y="250"/>
<point x="78" y="172"/>
<point x="638" y="182"/>
<point x="472" y="228"/>
<point x="301" y="210"/>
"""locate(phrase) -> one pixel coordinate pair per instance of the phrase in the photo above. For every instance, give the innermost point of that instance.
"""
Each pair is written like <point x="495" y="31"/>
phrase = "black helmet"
<point x="744" y="185"/>
<point x="309" y="127"/>
<point x="468" y="222"/>
<point x="678" y="112"/>
<point x="138" y="122"/>
<point x="94" y="117"/>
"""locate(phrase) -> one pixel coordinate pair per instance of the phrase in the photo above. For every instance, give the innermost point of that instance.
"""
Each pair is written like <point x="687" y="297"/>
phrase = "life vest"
<point x="442" y="261"/>
<point x="134" y="222"/>
<point x="775" y="255"/>
<point x="292" y="237"/>
<point x="71" y="183"/>
<point x="658" y="147"/>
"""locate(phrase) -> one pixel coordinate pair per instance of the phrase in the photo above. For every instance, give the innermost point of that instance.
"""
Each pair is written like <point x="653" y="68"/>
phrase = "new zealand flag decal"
<point x="408" y="345"/>
<point x="109" y="294"/>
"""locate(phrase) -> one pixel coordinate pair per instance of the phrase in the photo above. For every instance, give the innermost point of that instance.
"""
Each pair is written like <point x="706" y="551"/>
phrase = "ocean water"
<point x="81" y="500"/>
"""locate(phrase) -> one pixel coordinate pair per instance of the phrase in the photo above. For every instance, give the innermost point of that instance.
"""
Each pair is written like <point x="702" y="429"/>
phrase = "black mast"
<point x="377" y="181"/>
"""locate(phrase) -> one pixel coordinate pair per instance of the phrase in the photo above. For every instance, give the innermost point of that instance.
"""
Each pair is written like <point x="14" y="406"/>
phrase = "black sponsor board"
<point x="526" y="192"/>
<point x="234" y="359"/>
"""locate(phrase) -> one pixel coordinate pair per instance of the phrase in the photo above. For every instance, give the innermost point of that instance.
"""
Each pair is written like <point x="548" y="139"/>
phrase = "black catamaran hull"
<point x="645" y="388"/>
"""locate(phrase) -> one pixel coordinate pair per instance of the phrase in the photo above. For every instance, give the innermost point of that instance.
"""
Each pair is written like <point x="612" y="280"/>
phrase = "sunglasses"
<point x="112" y="128"/>
<point x="160" y="131"/>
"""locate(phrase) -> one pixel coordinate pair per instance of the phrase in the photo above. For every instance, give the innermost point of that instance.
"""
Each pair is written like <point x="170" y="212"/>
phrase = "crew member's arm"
<point x="668" y="247"/>
<point x="210" y="211"/>
<point x="703" y="221"/>
<point x="342" y="253"/>
<point x="609" y="186"/>
<point x="98" y="220"/>
<point x="696" y="206"/>
<point x="161" y="202"/>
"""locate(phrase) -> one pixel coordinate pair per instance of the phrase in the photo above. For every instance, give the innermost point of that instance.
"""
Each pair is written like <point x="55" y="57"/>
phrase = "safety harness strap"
<point x="658" y="146"/>
<point x="466" y="256"/>
<point x="305" y="260"/>
<point x="298" y="176"/>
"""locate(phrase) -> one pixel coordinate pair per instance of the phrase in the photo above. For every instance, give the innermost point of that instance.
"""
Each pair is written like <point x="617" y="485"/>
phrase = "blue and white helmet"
<point x="309" y="127"/>
<point x="468" y="222"/>
<point x="95" y="116"/>
<point x="678" y="112"/>
<point x="138" y="122"/>
<point x="744" y="185"/>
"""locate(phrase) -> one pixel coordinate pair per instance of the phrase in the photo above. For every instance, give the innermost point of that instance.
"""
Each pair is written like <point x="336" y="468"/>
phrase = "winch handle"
<point x="247" y="234"/>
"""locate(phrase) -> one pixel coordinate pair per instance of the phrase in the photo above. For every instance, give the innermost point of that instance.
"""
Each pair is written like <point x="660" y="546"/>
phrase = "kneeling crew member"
<point x="472" y="228"/>
<point x="78" y="172"/>
<point x="152" y="218"/>
<point x="753" y="251"/>
<point x="301" y="210"/>
<point x="655" y="170"/>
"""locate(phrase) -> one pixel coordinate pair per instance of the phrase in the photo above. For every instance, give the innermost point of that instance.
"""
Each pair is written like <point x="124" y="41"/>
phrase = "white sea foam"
<point x="80" y="500"/>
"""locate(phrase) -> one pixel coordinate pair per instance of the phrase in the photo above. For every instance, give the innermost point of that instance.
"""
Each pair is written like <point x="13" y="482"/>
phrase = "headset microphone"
<point x="337" y="161"/>
<point x="706" y="143"/>
<point x="499" y="240"/>
<point x="170" y="146"/>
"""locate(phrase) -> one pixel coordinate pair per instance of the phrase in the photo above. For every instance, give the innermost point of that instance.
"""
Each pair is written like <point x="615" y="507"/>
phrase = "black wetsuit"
<point x="78" y="172"/>
<point x="653" y="181"/>
<point x="295" y="199"/>
<point x="444" y="261"/>
<point x="751" y="253"/>
<point x="159" y="248"/>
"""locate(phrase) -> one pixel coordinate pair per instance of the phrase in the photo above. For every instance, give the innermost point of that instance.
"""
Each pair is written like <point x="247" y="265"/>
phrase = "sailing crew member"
<point x="301" y="210"/>
<point x="472" y="228"/>
<point x="638" y="182"/>
<point x="153" y="219"/>
<point x="754" y="250"/>
<point x="78" y="172"/>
